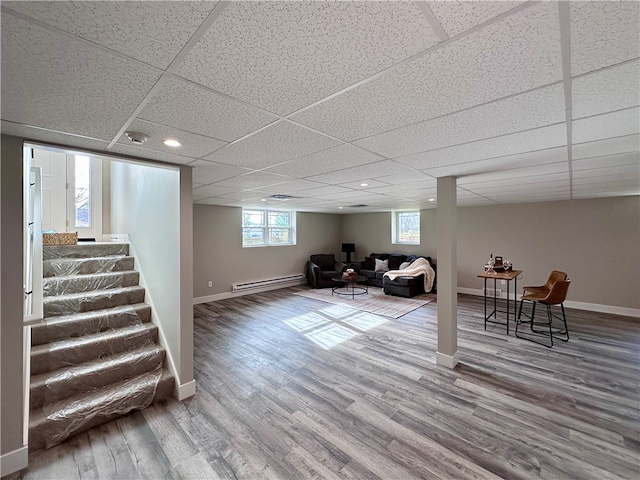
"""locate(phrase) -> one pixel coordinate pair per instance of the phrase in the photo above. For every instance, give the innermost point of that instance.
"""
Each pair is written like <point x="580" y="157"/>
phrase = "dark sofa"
<point x="321" y="268"/>
<point x="401" y="286"/>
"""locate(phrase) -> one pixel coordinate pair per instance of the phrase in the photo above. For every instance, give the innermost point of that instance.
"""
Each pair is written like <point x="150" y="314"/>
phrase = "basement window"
<point x="405" y="228"/>
<point x="261" y="228"/>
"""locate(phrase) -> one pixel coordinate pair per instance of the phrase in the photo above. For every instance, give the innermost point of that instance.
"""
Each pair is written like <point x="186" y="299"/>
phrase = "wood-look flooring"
<point x="271" y="403"/>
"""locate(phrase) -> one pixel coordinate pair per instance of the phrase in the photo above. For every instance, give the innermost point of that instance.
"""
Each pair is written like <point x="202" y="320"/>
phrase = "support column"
<point x="446" y="221"/>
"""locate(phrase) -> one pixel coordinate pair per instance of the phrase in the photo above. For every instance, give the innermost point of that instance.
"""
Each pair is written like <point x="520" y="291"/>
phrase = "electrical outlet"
<point x="210" y="283"/>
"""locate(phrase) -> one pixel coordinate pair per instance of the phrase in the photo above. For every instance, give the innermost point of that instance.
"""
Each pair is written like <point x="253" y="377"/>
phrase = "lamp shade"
<point x="348" y="247"/>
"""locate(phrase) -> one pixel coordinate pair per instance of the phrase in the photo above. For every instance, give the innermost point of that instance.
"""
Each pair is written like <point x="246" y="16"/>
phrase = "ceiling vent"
<point x="358" y="205"/>
<point x="137" y="138"/>
<point x="281" y="197"/>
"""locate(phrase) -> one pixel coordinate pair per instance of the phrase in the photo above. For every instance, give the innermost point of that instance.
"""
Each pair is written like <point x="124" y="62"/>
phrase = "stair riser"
<point x="56" y="306"/>
<point x="85" y="266"/>
<point x="45" y="433"/>
<point x="86" y="250"/>
<point x="67" y="354"/>
<point x="59" y="328"/>
<point x="88" y="283"/>
<point x="55" y="386"/>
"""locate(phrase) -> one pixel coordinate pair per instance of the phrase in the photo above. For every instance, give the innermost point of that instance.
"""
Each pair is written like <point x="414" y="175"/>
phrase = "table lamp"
<point x="348" y="248"/>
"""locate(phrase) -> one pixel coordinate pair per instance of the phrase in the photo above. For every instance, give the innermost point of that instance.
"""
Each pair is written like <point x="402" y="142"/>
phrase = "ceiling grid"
<point x="522" y="101"/>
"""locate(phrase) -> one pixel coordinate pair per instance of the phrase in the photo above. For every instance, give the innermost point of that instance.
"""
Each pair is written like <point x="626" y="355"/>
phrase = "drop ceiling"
<point x="522" y="101"/>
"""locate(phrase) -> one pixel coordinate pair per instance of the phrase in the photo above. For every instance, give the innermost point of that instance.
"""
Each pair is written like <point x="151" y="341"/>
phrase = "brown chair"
<point x="555" y="276"/>
<point x="556" y="296"/>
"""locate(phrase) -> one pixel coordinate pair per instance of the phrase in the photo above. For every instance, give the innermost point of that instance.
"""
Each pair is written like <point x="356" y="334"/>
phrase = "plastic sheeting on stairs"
<point x="79" y="266"/>
<point x="101" y="375"/>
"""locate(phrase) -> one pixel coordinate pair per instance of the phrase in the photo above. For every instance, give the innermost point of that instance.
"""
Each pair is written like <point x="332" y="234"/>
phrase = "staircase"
<point x="96" y="355"/>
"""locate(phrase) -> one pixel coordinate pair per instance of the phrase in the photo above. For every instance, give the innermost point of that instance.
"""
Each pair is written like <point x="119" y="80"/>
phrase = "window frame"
<point x="268" y="227"/>
<point x="396" y="234"/>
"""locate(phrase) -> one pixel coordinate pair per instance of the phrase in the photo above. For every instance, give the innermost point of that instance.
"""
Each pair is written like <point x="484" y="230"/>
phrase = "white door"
<point x="54" y="188"/>
<point x="71" y="192"/>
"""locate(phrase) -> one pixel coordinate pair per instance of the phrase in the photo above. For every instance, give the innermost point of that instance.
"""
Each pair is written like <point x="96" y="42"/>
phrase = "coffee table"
<point x="352" y="287"/>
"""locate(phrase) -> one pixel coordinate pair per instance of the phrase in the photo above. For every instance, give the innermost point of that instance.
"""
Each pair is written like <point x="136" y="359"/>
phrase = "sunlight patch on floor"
<point x="333" y="325"/>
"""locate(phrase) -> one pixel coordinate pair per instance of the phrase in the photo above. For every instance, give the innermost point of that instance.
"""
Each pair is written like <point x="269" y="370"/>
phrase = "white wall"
<point x="220" y="258"/>
<point x="13" y="455"/>
<point x="146" y="204"/>
<point x="595" y="241"/>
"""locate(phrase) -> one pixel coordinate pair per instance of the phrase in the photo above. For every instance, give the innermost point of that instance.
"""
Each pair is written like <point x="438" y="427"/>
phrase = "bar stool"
<point x="556" y="296"/>
<point x="555" y="276"/>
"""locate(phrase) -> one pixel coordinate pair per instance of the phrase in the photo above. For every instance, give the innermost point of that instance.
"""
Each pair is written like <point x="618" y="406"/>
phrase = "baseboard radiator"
<point x="272" y="282"/>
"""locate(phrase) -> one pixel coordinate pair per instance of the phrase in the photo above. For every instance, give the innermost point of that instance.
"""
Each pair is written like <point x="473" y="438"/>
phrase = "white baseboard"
<point x="593" y="307"/>
<point x="449" y="361"/>
<point x="223" y="296"/>
<point x="13" y="461"/>
<point x="186" y="390"/>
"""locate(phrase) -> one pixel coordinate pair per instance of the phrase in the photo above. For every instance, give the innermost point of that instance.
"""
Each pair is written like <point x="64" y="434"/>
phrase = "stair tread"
<point x="92" y="337"/>
<point x="99" y="364"/>
<point x="94" y="293"/>
<point x="86" y="275"/>
<point x="52" y="424"/>
<point x="74" y="317"/>
<point x="40" y="414"/>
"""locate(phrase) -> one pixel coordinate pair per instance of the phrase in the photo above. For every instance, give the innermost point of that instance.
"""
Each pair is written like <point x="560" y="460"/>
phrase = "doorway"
<point x="71" y="192"/>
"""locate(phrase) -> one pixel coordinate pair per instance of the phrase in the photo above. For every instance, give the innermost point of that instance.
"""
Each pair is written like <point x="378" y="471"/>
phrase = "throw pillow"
<point x="382" y="265"/>
<point x="404" y="265"/>
<point x="369" y="263"/>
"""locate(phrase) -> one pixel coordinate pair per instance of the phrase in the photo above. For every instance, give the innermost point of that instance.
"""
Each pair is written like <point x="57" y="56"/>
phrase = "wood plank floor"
<point x="272" y="403"/>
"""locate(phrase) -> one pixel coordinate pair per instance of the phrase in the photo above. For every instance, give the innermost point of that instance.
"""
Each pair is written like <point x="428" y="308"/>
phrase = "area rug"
<point x="374" y="302"/>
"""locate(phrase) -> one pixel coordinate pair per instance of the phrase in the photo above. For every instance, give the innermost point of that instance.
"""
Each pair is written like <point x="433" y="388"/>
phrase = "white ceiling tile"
<point x="213" y="201"/>
<point x="407" y="177"/>
<point x="193" y="145"/>
<point x="195" y="109"/>
<point x="47" y="136"/>
<point x="362" y="172"/>
<point x="541" y="157"/>
<point x="600" y="127"/>
<point x="611" y="146"/>
<point x="357" y="185"/>
<point x="516" y="143"/>
<point x="632" y="158"/>
<point x="523" y="175"/>
<point x="206" y="172"/>
<point x="517" y="54"/>
<point x="254" y="180"/>
<point x="285" y="55"/>
<point x="544" y="107"/>
<point x="538" y="184"/>
<point x="197" y="198"/>
<point x="327" y="190"/>
<point x="293" y="187"/>
<point x="275" y="144"/>
<point x="603" y="33"/>
<point x="95" y="96"/>
<point x="606" y="90"/>
<point x="153" y="32"/>
<point x="533" y="197"/>
<point x="141" y="152"/>
<point x="631" y="171"/>
<point x="212" y="191"/>
<point x="336" y="158"/>
<point x="457" y="17"/>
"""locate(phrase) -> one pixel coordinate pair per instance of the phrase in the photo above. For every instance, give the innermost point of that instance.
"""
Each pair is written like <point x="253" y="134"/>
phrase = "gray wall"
<point x="595" y="241"/>
<point x="11" y="375"/>
<point x="219" y="256"/>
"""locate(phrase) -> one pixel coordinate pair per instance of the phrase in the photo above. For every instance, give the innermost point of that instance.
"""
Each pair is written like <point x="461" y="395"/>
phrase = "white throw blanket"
<point x="418" y="267"/>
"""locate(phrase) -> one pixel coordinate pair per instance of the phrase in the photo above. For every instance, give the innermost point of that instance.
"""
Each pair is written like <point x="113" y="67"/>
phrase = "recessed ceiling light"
<point x="263" y="199"/>
<point x="432" y="199"/>
<point x="340" y="208"/>
<point x="364" y="184"/>
<point x="170" y="142"/>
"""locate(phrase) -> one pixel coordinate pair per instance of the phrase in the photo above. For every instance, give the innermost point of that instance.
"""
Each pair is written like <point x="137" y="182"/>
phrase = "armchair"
<point x="321" y="268"/>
